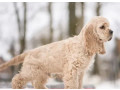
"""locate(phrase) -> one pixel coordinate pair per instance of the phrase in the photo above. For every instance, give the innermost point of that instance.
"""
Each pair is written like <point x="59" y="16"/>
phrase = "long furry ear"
<point x="102" y="49"/>
<point x="92" y="42"/>
<point x="89" y="37"/>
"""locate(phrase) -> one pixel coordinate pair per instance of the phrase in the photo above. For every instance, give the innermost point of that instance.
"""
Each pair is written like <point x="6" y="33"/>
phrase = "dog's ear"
<point x="102" y="49"/>
<point x="90" y="38"/>
<point x="92" y="43"/>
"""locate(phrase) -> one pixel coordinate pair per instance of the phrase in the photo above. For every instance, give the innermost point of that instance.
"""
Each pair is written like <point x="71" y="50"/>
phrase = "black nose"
<point x="111" y="32"/>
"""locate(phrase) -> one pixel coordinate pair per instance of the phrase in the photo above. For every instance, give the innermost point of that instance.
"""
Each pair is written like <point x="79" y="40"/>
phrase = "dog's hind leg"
<point x="19" y="81"/>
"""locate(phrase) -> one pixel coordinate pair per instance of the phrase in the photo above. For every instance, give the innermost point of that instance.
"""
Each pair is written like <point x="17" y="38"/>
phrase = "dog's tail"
<point x="15" y="61"/>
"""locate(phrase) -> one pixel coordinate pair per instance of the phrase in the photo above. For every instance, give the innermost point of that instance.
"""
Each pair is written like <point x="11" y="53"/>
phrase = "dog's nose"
<point x="111" y="32"/>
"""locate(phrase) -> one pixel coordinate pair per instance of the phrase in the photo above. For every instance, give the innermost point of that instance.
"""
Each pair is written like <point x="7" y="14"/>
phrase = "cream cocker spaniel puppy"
<point x="70" y="57"/>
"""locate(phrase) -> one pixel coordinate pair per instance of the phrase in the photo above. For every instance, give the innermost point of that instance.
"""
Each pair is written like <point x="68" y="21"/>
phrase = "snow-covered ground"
<point x="52" y="84"/>
<point x="100" y="83"/>
<point x="109" y="85"/>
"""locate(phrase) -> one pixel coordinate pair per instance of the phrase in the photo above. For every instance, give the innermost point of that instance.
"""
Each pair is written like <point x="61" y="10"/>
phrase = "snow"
<point x="51" y="84"/>
<point x="54" y="84"/>
<point x="99" y="83"/>
<point x="109" y="85"/>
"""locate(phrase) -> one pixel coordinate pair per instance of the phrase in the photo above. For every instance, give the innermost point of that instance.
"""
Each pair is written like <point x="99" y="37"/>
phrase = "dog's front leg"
<point x="70" y="79"/>
<point x="80" y="79"/>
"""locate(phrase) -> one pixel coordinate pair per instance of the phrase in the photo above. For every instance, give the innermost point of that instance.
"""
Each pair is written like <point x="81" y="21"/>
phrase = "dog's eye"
<point x="102" y="27"/>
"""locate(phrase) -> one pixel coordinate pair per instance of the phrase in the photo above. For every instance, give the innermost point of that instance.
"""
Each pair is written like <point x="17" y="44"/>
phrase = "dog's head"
<point x="96" y="32"/>
<point x="103" y="29"/>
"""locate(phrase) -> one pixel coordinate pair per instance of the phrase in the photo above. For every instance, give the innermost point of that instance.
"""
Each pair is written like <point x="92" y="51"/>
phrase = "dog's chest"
<point x="84" y="62"/>
<point x="91" y="62"/>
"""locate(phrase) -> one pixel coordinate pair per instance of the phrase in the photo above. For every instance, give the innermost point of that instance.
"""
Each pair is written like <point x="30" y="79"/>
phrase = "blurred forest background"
<point x="27" y="25"/>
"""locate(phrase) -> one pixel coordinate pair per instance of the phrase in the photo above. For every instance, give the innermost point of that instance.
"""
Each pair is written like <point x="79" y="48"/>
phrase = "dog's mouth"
<point x="100" y="39"/>
<point x="110" y="38"/>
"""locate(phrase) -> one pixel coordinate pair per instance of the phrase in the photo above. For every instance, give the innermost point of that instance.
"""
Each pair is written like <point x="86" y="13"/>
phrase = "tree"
<point x="82" y="15"/>
<point x="23" y="32"/>
<point x="96" y="68"/>
<point x="50" y="21"/>
<point x="98" y="8"/>
<point x="21" y="28"/>
<point x="72" y="19"/>
<point x="115" y="61"/>
<point x="80" y="19"/>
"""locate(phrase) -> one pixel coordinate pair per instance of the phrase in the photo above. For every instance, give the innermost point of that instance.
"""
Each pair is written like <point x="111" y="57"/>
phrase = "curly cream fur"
<point x="70" y="57"/>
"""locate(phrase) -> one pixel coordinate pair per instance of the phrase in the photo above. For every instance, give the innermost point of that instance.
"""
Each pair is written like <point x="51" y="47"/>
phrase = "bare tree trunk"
<point x="115" y="62"/>
<point x="17" y="16"/>
<point x="51" y="21"/>
<point x="118" y="59"/>
<point x="96" y="68"/>
<point x="23" y="32"/>
<point x="80" y="20"/>
<point x="16" y="68"/>
<point x="98" y="8"/>
<point x="21" y="29"/>
<point x="12" y="52"/>
<point x="72" y="19"/>
<point x="82" y="15"/>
